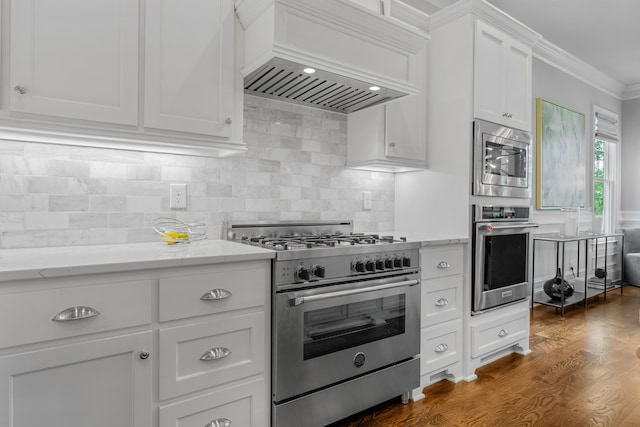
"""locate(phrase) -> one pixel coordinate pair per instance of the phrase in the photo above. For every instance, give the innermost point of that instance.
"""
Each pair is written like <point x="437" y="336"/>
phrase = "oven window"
<point x="336" y="328"/>
<point x="505" y="261"/>
<point x="505" y="160"/>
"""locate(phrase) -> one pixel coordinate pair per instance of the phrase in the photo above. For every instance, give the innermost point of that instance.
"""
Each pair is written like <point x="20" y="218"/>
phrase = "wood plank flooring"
<point x="582" y="371"/>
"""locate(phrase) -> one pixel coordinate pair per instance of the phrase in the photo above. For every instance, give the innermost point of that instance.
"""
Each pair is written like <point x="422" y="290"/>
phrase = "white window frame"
<point x="610" y="180"/>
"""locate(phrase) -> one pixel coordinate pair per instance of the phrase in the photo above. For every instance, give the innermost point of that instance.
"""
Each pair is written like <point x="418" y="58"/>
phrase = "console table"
<point x="584" y="287"/>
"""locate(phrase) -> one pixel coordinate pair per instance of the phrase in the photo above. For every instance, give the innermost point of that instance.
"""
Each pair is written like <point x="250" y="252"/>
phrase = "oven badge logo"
<point x="359" y="359"/>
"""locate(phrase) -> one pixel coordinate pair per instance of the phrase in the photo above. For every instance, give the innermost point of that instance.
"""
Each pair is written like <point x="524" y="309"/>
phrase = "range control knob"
<point x="318" y="270"/>
<point x="303" y="273"/>
<point x="406" y="262"/>
<point x="358" y="266"/>
<point x="397" y="262"/>
<point x="388" y="263"/>
<point x="370" y="266"/>
<point x="380" y="264"/>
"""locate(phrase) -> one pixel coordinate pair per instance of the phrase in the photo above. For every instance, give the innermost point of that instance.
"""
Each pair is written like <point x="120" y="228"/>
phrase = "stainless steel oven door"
<point x="326" y="335"/>
<point x="502" y="256"/>
<point x="502" y="161"/>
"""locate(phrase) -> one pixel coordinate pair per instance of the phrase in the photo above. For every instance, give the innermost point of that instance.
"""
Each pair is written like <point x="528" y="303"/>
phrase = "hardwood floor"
<point x="582" y="371"/>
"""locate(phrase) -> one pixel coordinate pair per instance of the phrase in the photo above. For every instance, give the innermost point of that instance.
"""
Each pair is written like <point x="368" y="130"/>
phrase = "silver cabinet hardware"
<point x="144" y="355"/>
<point x="220" y="422"/>
<point x="441" y="348"/>
<point x="75" y="313"/>
<point x="503" y="333"/>
<point x="20" y="89"/>
<point x="215" y="353"/>
<point x="443" y="265"/>
<point x="441" y="302"/>
<point x="228" y="120"/>
<point x="507" y="115"/>
<point x="216" y="294"/>
<point x="392" y="144"/>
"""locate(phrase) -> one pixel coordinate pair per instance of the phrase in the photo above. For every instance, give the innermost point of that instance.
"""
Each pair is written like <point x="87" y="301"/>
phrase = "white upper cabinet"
<point x="502" y="78"/>
<point x="75" y="59"/>
<point x="190" y="82"/>
<point x="160" y="75"/>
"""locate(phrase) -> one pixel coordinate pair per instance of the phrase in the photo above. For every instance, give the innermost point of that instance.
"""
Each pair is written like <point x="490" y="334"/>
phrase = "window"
<point x="604" y="167"/>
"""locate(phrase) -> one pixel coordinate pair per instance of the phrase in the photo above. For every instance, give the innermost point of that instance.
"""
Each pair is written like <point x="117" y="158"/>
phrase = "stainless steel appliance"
<point x="501" y="161"/>
<point x="346" y="319"/>
<point x="502" y="241"/>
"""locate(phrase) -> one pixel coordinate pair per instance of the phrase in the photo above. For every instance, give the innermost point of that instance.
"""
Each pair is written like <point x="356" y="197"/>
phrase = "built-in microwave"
<point x="501" y="161"/>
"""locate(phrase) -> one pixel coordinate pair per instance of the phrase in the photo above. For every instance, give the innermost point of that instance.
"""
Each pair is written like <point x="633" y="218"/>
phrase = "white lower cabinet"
<point x="97" y="382"/>
<point x="497" y="333"/>
<point x="93" y="350"/>
<point x="441" y="315"/>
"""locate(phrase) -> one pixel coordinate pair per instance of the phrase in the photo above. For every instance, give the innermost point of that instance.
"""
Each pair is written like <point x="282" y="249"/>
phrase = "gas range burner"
<point x="309" y="241"/>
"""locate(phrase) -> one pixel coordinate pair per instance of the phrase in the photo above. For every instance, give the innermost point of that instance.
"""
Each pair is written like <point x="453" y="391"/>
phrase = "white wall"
<point x="630" y="194"/>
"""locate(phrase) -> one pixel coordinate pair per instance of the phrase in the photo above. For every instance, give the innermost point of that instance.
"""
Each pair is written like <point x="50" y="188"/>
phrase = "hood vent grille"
<point x="285" y="80"/>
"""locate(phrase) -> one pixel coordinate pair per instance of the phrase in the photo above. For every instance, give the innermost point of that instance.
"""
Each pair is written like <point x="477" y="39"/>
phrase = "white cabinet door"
<point x="190" y="81"/>
<point x="98" y="383"/>
<point x="502" y="78"/>
<point x="406" y="135"/>
<point x="75" y="59"/>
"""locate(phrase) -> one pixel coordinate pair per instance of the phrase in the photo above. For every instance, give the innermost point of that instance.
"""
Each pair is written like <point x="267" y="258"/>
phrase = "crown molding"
<point x="631" y="92"/>
<point x="572" y="65"/>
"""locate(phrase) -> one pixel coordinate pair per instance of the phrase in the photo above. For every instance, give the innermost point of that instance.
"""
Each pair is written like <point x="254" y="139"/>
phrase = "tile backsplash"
<point x="58" y="195"/>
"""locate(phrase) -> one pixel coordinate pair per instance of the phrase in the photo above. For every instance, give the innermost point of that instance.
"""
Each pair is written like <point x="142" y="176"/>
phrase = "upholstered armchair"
<point x="632" y="256"/>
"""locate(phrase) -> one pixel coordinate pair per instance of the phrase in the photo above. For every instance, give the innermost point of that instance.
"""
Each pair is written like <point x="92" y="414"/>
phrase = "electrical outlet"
<point x="366" y="200"/>
<point x="177" y="196"/>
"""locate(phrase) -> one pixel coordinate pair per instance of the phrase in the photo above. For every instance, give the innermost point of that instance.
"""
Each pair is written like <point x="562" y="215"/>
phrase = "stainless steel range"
<point x="346" y="318"/>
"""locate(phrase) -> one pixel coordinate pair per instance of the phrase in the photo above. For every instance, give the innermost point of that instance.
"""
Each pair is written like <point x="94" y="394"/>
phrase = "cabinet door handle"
<point x="215" y="353"/>
<point x="392" y="144"/>
<point x="441" y="302"/>
<point x="507" y="115"/>
<point x="216" y="294"/>
<point x="144" y="355"/>
<point x="441" y="348"/>
<point x="503" y="333"/>
<point x="228" y="120"/>
<point x="75" y="313"/>
<point x="20" y="89"/>
<point x="220" y="422"/>
<point x="443" y="265"/>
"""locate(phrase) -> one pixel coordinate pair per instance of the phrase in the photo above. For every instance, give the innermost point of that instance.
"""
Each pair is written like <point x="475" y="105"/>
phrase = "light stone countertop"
<point x="36" y="263"/>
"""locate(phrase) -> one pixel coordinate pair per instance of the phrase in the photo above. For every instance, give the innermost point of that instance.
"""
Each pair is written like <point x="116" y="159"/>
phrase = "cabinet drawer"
<point x="119" y="305"/>
<point x="242" y="405"/>
<point x="441" y="300"/>
<point x="245" y="285"/>
<point x="203" y="355"/>
<point x="499" y="332"/>
<point x="441" y="261"/>
<point x="440" y="346"/>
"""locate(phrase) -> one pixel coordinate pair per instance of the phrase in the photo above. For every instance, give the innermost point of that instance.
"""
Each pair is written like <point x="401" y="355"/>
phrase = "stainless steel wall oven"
<point x="346" y="319"/>
<point x="501" y="161"/>
<point x="502" y="238"/>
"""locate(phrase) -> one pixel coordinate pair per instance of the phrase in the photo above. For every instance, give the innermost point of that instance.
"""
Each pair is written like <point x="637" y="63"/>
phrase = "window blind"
<point x="606" y="127"/>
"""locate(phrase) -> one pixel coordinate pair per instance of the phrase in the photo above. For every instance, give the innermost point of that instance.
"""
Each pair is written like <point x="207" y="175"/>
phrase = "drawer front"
<point x="441" y="300"/>
<point x="223" y="288"/>
<point x="441" y="261"/>
<point x="203" y="355"/>
<point x="440" y="346"/>
<point x="119" y="305"/>
<point x="243" y="405"/>
<point x="490" y="336"/>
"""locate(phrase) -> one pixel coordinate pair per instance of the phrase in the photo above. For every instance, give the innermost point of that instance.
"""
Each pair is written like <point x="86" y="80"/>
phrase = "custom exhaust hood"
<point x="330" y="54"/>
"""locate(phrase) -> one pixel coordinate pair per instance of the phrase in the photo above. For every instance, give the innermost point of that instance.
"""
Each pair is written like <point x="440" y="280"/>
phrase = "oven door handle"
<point x="511" y="226"/>
<point x="297" y="300"/>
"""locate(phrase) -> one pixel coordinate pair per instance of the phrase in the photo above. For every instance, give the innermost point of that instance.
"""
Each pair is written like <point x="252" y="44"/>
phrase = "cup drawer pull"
<point x="220" y="422"/>
<point x="216" y="294"/>
<point x="441" y="348"/>
<point x="441" y="302"/>
<point x="75" y="313"/>
<point x="503" y="333"/>
<point x="443" y="265"/>
<point x="215" y="353"/>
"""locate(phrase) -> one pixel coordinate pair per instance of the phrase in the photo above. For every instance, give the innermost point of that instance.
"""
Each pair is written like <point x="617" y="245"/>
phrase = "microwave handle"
<point x="512" y="226"/>
<point x="297" y="300"/>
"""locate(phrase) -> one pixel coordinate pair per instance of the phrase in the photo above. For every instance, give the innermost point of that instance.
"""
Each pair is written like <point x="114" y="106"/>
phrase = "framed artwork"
<point x="561" y="148"/>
